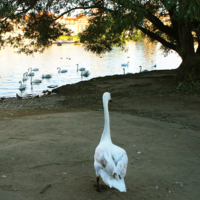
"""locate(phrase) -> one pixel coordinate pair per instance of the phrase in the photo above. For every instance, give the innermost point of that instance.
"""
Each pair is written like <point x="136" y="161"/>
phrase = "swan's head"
<point x="20" y="82"/>
<point x="58" y="68"/>
<point x="107" y="96"/>
<point x="30" y="69"/>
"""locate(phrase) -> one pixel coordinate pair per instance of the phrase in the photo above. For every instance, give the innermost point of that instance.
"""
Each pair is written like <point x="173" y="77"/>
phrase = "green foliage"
<point x="101" y="35"/>
<point x="175" y="23"/>
<point x="137" y="35"/>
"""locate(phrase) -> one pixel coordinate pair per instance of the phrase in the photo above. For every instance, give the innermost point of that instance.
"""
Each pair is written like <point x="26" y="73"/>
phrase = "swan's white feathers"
<point x="110" y="162"/>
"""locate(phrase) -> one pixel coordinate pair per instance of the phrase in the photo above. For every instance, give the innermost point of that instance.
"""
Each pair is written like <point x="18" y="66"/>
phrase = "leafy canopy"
<point x="111" y="22"/>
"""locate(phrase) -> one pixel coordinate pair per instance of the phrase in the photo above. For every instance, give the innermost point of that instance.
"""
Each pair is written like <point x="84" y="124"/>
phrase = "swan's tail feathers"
<point x="113" y="182"/>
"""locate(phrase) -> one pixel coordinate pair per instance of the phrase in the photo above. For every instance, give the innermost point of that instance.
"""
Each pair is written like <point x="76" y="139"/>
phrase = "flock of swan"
<point x="141" y="70"/>
<point x="31" y="73"/>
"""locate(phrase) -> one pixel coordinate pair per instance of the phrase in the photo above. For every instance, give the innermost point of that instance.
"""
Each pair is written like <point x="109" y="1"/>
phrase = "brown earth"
<point x="51" y="140"/>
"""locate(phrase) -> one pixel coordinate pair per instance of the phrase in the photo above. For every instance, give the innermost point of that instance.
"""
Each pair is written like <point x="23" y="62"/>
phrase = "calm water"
<point x="13" y="65"/>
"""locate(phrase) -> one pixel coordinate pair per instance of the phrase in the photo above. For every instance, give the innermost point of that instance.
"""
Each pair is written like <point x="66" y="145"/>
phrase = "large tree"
<point x="110" y="23"/>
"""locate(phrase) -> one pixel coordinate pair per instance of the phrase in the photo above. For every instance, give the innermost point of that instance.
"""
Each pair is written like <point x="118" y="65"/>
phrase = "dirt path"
<point x="51" y="140"/>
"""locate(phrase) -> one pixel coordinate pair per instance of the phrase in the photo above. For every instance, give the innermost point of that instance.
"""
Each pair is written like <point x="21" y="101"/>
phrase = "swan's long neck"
<point x="106" y="132"/>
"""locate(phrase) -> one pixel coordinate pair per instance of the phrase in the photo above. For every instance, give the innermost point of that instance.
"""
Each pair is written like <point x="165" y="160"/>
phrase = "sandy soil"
<point x="158" y="128"/>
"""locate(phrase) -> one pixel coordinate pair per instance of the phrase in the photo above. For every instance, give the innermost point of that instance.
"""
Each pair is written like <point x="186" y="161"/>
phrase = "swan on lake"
<point x="30" y="73"/>
<point x="110" y="161"/>
<point x="22" y="86"/>
<point x="125" y="64"/>
<point x="46" y="75"/>
<point x="35" y="69"/>
<point x="80" y="69"/>
<point x="85" y="73"/>
<point x="61" y="71"/>
<point x="25" y="78"/>
<point x="36" y="81"/>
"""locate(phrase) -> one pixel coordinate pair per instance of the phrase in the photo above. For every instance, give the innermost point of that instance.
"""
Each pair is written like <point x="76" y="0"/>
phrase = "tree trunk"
<point x="190" y="66"/>
<point x="189" y="69"/>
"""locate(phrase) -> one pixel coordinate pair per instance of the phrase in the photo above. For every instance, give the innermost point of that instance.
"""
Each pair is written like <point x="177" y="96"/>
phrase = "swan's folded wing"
<point x="103" y="159"/>
<point x="122" y="165"/>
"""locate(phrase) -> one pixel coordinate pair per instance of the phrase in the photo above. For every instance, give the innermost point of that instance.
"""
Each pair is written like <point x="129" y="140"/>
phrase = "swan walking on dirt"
<point x="110" y="161"/>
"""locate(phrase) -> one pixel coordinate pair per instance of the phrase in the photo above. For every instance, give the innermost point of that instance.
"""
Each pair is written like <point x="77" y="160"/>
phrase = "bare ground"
<point x="51" y="140"/>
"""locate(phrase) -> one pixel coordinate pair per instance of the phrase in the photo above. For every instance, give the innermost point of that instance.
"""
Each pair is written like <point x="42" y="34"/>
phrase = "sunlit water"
<point x="13" y="65"/>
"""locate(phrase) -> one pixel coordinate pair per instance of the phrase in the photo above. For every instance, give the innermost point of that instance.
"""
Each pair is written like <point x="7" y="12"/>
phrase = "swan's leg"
<point x="97" y="186"/>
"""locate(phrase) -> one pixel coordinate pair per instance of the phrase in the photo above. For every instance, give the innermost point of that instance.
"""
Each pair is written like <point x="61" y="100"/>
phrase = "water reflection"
<point x="13" y="66"/>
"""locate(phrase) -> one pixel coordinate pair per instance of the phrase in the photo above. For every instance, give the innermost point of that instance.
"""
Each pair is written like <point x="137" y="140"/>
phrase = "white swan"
<point x="145" y="70"/>
<point x="46" y="75"/>
<point x="85" y="73"/>
<point x="35" y="69"/>
<point x="30" y="73"/>
<point x="124" y="70"/>
<point x="36" y="81"/>
<point x="61" y="71"/>
<point x="110" y="161"/>
<point x="125" y="64"/>
<point x="22" y="86"/>
<point x="25" y="78"/>
<point x="80" y="69"/>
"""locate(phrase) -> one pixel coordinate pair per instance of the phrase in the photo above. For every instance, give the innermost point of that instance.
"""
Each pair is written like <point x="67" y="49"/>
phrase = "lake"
<point x="67" y="56"/>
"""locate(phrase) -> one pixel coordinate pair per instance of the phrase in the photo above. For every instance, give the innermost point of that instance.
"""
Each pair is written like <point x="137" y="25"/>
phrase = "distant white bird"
<point x="85" y="73"/>
<point x="25" y="78"/>
<point x="80" y="69"/>
<point x="124" y="70"/>
<point x="125" y="64"/>
<point x="35" y="69"/>
<point x="22" y="86"/>
<point x="30" y="73"/>
<point x="46" y="75"/>
<point x="36" y="81"/>
<point x="110" y="161"/>
<point x="61" y="71"/>
<point x="145" y="70"/>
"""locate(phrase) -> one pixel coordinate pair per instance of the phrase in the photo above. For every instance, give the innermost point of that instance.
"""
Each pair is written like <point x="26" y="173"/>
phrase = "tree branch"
<point x="155" y="20"/>
<point x="158" y="38"/>
<point x="159" y="24"/>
